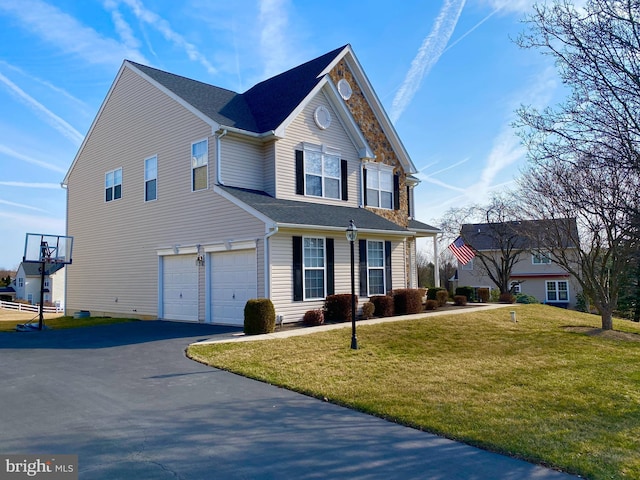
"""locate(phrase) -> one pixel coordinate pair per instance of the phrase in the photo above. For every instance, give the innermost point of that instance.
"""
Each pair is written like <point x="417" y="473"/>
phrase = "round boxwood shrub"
<point x="466" y="291"/>
<point x="460" y="300"/>
<point x="431" y="305"/>
<point x="368" y="309"/>
<point x="432" y="292"/>
<point x="483" y="294"/>
<point x="407" y="301"/>
<point x="441" y="297"/>
<point x="313" y="318"/>
<point x="384" y="305"/>
<point x="259" y="316"/>
<point x="507" y="297"/>
<point x="337" y="308"/>
<point x="526" y="299"/>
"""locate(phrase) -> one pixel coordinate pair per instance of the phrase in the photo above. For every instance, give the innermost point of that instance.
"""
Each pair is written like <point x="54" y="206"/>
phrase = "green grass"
<point x="533" y="389"/>
<point x="65" y="322"/>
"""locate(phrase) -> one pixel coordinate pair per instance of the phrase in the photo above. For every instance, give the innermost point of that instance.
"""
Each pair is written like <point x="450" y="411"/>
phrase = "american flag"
<point x="461" y="251"/>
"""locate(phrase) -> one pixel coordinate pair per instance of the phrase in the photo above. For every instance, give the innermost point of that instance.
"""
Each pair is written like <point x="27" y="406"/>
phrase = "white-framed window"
<point x="46" y="283"/>
<point x="151" y="178"/>
<point x="379" y="185"/>
<point x="557" y="291"/>
<point x="314" y="262"/>
<point x="113" y="185"/>
<point x="468" y="265"/>
<point x="375" y="267"/>
<point x="20" y="282"/>
<point x="514" y="287"/>
<point x="30" y="298"/>
<point x="322" y="173"/>
<point x="540" y="258"/>
<point x="200" y="165"/>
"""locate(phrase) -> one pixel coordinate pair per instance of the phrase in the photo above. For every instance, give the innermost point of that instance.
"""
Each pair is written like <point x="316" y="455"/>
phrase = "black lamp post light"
<point x="352" y="234"/>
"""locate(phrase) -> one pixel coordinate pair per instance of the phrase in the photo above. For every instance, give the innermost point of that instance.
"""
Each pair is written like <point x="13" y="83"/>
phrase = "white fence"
<point x="23" y="307"/>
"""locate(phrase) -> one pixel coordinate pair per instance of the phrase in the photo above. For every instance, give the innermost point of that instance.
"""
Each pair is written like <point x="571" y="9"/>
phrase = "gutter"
<point x="219" y="157"/>
<point x="267" y="263"/>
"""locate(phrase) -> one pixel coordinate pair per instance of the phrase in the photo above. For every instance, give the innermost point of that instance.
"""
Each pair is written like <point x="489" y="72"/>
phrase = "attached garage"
<point x="179" y="288"/>
<point x="233" y="281"/>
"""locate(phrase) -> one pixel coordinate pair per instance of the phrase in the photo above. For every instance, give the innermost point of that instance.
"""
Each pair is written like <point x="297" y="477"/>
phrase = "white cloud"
<point x="25" y="158"/>
<point x="51" y="118"/>
<point x="124" y="30"/>
<point x="21" y="205"/>
<point x="65" y="33"/>
<point x="273" y="42"/>
<point x="53" y="186"/>
<point x="428" y="54"/>
<point x="165" y="29"/>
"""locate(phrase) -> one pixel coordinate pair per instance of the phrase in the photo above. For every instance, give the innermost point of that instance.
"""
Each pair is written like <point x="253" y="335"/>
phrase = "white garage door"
<point x="180" y="288"/>
<point x="233" y="282"/>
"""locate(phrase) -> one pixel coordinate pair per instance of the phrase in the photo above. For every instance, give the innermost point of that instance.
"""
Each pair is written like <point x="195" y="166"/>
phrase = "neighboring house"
<point x="533" y="273"/>
<point x="28" y="283"/>
<point x="185" y="200"/>
<point x="8" y="294"/>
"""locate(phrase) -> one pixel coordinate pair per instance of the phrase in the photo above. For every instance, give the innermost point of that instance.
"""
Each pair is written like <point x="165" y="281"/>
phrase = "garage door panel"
<point x="233" y="282"/>
<point x="180" y="288"/>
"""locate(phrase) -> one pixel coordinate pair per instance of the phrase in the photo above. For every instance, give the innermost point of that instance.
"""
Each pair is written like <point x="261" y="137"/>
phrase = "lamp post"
<point x="352" y="234"/>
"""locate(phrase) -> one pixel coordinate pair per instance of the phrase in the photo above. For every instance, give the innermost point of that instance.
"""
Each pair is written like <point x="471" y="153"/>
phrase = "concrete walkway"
<point x="294" y="332"/>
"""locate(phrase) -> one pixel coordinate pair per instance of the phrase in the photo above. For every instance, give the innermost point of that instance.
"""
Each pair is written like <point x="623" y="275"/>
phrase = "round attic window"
<point x="344" y="89"/>
<point x="322" y="117"/>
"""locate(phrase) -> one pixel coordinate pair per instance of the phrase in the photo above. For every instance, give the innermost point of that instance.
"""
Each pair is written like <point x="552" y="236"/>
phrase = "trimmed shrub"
<point x="384" y="305"/>
<point x="259" y="316"/>
<point x="337" y="308"/>
<point x="407" y="301"/>
<point x="494" y="296"/>
<point x="367" y="310"/>
<point x="431" y="305"/>
<point x="526" y="299"/>
<point x="507" y="298"/>
<point x="483" y="295"/>
<point x="466" y="291"/>
<point x="313" y="318"/>
<point x="442" y="296"/>
<point x="459" y="300"/>
<point x="433" y="292"/>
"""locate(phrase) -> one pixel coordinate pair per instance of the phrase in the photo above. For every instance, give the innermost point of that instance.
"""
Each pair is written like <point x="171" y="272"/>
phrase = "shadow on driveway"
<point x="117" y="334"/>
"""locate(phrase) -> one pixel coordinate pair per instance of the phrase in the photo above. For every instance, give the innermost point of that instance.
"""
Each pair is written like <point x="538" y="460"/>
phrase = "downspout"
<point x="65" y="187"/>
<point x="436" y="262"/>
<point x="267" y="255"/>
<point x="219" y="157"/>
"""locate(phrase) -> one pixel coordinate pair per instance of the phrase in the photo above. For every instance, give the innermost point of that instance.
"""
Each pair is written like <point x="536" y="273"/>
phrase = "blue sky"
<point x="446" y="71"/>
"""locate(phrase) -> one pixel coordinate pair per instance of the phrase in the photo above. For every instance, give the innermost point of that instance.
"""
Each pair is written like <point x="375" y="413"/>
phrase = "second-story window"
<point x="322" y="174"/>
<point x="113" y="185"/>
<point x="151" y="178"/>
<point x="199" y="165"/>
<point x="381" y="186"/>
<point x="540" y="259"/>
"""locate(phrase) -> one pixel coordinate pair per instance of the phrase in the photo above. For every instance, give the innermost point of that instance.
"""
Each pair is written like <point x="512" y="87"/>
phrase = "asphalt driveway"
<point x="127" y="401"/>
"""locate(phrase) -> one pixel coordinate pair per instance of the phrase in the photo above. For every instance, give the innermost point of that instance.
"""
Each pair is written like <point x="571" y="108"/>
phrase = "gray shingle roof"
<point x="293" y="212"/>
<point x="522" y="235"/>
<point x="260" y="109"/>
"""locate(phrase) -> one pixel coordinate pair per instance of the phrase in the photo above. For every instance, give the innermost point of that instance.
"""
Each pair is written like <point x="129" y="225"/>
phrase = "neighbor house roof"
<point x="307" y="214"/>
<point x="33" y="269"/>
<point x="523" y="234"/>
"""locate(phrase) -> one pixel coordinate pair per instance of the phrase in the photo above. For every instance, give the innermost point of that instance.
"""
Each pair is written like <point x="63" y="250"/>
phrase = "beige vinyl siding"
<point x="241" y="163"/>
<point x="115" y="264"/>
<point x="282" y="273"/>
<point x="304" y="129"/>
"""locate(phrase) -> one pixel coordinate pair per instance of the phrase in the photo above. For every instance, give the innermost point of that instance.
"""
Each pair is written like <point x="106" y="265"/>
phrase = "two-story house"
<point x="28" y="281"/>
<point x="185" y="199"/>
<point x="528" y="244"/>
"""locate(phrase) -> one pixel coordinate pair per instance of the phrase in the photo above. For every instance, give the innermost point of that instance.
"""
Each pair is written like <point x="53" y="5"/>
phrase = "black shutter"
<point x="297" y="269"/>
<point x="343" y="175"/>
<point x="299" y="172"/>
<point x="408" y="202"/>
<point x="363" y="268"/>
<point x="396" y="192"/>
<point x="331" y="284"/>
<point x="364" y="185"/>
<point x="387" y="265"/>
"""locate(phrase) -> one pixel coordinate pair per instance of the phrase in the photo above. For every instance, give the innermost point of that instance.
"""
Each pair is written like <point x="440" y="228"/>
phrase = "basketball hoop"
<point x="45" y="250"/>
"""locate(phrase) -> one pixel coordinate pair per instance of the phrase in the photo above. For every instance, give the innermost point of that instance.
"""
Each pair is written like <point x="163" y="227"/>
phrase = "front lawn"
<point x="550" y="388"/>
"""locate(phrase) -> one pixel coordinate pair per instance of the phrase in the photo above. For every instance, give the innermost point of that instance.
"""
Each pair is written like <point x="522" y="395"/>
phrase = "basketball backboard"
<point x="40" y="247"/>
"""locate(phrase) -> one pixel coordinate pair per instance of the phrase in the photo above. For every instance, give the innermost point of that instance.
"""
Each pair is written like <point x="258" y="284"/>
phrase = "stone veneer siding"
<point x="373" y="133"/>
